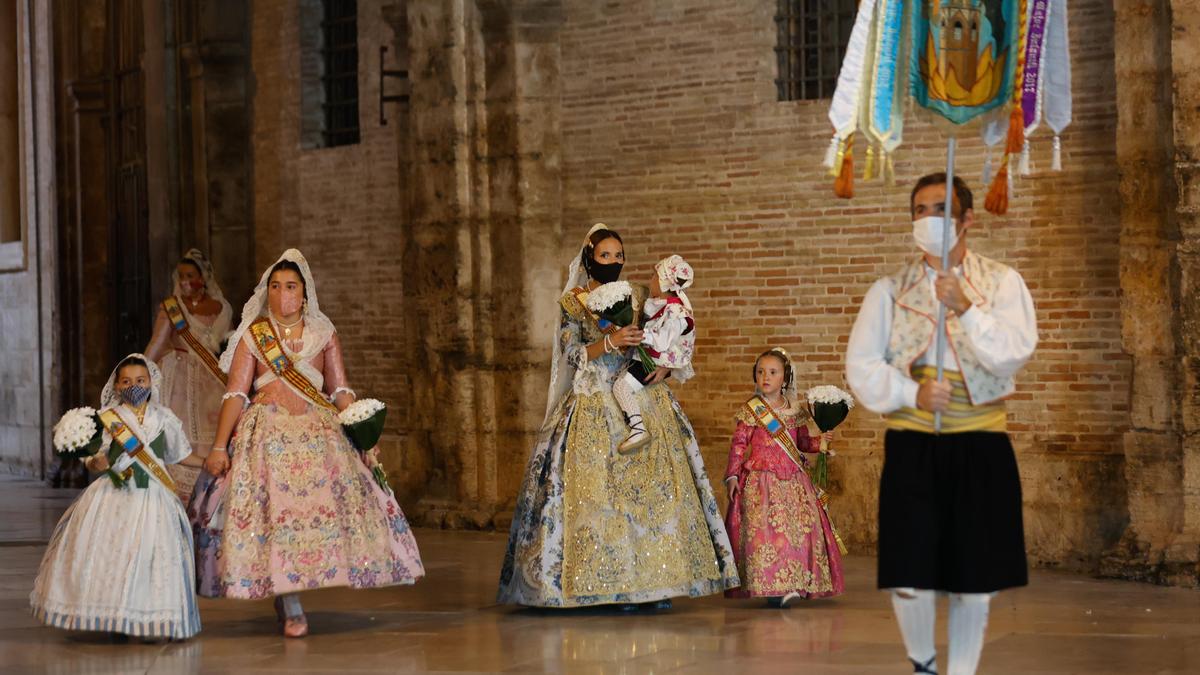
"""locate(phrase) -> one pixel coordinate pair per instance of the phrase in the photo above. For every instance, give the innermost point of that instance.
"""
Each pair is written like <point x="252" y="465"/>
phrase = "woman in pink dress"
<point x="783" y="542"/>
<point x="298" y="509"/>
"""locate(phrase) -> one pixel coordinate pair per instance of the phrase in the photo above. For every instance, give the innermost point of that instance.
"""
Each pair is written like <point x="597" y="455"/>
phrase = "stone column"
<point x="524" y="151"/>
<point x="439" y="204"/>
<point x="480" y="274"/>
<point x="1184" y="553"/>
<point x="1158" y="148"/>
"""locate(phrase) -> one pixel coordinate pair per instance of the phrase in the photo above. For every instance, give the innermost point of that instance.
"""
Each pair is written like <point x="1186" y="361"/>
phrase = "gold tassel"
<point x="841" y="546"/>
<point x="843" y="186"/>
<point x="869" y="171"/>
<point x="889" y="170"/>
<point x="836" y="166"/>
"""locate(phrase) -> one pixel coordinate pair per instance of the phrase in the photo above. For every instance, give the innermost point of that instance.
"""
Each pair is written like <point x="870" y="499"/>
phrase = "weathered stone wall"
<point x="1183" y="556"/>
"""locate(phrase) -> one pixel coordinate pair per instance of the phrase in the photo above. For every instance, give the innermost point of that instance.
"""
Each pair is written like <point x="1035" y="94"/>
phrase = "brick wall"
<point x="340" y="206"/>
<point x="672" y="134"/>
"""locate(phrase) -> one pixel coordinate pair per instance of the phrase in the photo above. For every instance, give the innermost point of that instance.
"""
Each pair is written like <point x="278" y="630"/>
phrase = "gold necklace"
<point x="287" y="328"/>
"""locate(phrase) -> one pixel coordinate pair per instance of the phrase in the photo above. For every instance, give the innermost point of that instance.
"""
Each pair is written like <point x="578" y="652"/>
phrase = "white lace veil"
<point x="219" y="326"/>
<point x="562" y="373"/>
<point x="197" y="258"/>
<point x="110" y="398"/>
<point x="317" y="327"/>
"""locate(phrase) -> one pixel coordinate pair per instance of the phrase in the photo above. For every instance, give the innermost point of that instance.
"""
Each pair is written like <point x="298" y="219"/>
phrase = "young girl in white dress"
<point x="120" y="559"/>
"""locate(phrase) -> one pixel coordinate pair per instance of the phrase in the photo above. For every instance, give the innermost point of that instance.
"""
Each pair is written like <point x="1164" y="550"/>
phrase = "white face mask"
<point x="927" y="232"/>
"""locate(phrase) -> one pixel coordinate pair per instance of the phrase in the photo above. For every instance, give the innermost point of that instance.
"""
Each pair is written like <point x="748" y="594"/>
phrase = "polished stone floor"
<point x="449" y="623"/>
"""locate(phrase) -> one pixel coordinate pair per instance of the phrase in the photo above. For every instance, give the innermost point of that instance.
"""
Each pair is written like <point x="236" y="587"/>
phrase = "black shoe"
<point x="775" y="603"/>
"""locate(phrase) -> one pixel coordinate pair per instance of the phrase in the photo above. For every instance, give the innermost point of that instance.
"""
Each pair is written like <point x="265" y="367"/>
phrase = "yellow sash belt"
<point x="959" y="418"/>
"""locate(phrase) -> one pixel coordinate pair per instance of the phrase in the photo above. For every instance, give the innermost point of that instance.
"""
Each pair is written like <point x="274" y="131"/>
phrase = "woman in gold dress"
<point x="593" y="526"/>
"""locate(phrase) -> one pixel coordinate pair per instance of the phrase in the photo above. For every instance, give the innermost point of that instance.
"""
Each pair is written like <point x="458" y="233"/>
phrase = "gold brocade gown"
<point x="592" y="526"/>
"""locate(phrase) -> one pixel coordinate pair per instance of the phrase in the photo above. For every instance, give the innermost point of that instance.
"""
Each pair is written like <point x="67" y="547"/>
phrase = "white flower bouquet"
<point x="363" y="423"/>
<point x="829" y="406"/>
<point x="613" y="304"/>
<point x="77" y="434"/>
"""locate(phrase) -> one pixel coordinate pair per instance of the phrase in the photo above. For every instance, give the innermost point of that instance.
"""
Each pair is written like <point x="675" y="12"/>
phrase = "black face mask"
<point x="605" y="274"/>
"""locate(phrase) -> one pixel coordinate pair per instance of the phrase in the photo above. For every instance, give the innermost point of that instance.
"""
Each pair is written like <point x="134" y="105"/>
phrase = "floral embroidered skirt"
<point x="297" y="510"/>
<point x="782" y="539"/>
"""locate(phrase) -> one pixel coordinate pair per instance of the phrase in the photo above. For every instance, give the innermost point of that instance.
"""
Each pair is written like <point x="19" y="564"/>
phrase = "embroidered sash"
<point x="180" y="323"/>
<point x="603" y="325"/>
<point x="271" y="349"/>
<point x="132" y="446"/>
<point x="766" y="419"/>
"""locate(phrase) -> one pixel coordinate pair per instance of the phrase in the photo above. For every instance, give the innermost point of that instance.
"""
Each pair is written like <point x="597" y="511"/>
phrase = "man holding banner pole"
<point x="950" y="496"/>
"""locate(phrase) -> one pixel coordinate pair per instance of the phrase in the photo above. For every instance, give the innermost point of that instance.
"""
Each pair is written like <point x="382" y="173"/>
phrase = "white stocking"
<point x="623" y="391"/>
<point x="916" y="611"/>
<point x="968" y="625"/>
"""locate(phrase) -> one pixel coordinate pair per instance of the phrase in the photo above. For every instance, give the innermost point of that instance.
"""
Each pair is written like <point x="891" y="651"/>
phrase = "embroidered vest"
<point x="914" y="323"/>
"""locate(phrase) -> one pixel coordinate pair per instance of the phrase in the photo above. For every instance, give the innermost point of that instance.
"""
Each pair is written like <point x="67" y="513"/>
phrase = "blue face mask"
<point x="135" y="395"/>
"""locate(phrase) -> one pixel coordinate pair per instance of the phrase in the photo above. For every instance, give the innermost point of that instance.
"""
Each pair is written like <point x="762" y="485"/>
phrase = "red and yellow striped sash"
<point x="180" y="324"/>
<point x="133" y="446"/>
<point x="271" y="349"/>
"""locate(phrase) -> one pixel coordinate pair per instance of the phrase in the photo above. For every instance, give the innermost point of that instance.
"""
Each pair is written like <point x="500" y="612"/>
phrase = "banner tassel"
<point x="1056" y="160"/>
<point x="843" y="185"/>
<point x="1024" y="167"/>
<point x="831" y="152"/>
<point x="997" y="196"/>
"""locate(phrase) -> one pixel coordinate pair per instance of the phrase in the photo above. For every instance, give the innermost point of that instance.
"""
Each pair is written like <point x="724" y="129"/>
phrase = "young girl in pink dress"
<point x="783" y="542"/>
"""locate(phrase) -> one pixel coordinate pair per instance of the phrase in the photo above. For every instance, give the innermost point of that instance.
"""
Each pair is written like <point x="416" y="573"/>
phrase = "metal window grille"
<point x="812" y="39"/>
<point x="339" y="54"/>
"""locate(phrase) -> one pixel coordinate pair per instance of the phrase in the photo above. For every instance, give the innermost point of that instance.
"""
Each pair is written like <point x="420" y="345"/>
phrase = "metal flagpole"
<point x="948" y="225"/>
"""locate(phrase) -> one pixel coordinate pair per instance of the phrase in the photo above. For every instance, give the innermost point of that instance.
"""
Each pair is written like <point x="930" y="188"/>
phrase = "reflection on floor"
<point x="449" y="623"/>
